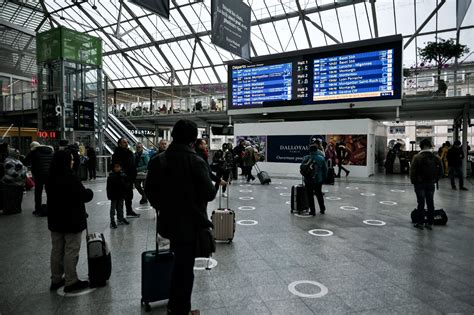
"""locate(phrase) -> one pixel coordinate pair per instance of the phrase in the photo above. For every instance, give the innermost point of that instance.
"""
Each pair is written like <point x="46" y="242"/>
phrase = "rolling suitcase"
<point x="299" y="199"/>
<point x="223" y="220"/>
<point x="99" y="260"/>
<point x="157" y="266"/>
<point x="12" y="199"/>
<point x="263" y="176"/>
<point x="331" y="174"/>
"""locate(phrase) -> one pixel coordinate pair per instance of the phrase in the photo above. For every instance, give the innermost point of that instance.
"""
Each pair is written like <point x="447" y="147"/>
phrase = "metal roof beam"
<point x="17" y="27"/>
<point x="300" y="11"/>
<point x="322" y="30"/>
<point x="18" y="51"/>
<point x="374" y="18"/>
<point x="424" y="23"/>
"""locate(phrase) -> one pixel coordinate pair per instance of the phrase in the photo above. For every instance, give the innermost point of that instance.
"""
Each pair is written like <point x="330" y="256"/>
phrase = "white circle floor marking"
<point x="388" y="203"/>
<point x="288" y="202"/>
<point x="211" y="261"/>
<point x="374" y="222"/>
<point x="144" y="208"/>
<point x="245" y="185"/>
<point x="322" y="287"/>
<point x="397" y="190"/>
<point x="97" y="190"/>
<point x="246" y="198"/>
<point x="348" y="208"/>
<point x="278" y="183"/>
<point x="73" y="294"/>
<point x="367" y="194"/>
<point x="320" y="232"/>
<point x="325" y="191"/>
<point x="103" y="203"/>
<point x="281" y="187"/>
<point x="247" y="208"/>
<point x="333" y="198"/>
<point x="245" y="191"/>
<point x="352" y="187"/>
<point x="285" y="194"/>
<point x="247" y="222"/>
<point x="303" y="215"/>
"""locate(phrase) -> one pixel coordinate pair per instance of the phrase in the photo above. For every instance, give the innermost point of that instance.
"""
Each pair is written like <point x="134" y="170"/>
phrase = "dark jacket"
<point x="75" y="155"/>
<point x="40" y="160"/>
<point x="204" y="156"/>
<point x="66" y="210"/>
<point x="455" y="156"/>
<point x="422" y="172"/>
<point x="180" y="192"/>
<point x="92" y="157"/>
<point x="320" y="161"/>
<point x="127" y="161"/>
<point x="116" y="185"/>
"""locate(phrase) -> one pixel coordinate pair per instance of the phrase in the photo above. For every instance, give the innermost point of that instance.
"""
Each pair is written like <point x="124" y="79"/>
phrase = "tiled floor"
<point x="366" y="269"/>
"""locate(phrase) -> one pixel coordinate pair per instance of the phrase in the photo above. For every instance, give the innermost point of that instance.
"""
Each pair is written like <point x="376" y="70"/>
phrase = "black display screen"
<point x="160" y="7"/>
<point x="363" y="71"/>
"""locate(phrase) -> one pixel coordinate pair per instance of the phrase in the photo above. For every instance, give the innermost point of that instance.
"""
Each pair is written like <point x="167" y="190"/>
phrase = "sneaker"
<point x="143" y="201"/>
<point x="79" y="285"/>
<point x="123" y="222"/>
<point x="113" y="225"/>
<point x="133" y="214"/>
<point x="419" y="226"/>
<point x="55" y="286"/>
<point x="224" y="195"/>
<point x="312" y="213"/>
<point x="428" y="226"/>
<point x="463" y="188"/>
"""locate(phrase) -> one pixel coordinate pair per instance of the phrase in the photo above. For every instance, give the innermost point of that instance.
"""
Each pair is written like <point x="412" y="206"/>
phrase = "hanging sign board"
<point x="230" y="21"/>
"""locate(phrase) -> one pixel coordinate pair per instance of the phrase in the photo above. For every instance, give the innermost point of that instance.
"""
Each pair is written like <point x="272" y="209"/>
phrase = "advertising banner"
<point x="230" y="20"/>
<point x="289" y="149"/>
<point x="356" y="145"/>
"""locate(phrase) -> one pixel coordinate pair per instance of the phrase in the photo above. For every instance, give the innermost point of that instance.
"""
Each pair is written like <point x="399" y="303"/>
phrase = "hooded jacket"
<point x="320" y="161"/>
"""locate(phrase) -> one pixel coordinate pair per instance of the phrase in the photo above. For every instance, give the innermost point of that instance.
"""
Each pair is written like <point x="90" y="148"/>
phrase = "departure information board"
<point x="364" y="71"/>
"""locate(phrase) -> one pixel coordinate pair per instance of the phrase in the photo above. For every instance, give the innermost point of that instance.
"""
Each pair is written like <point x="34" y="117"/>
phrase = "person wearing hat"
<point x="426" y="169"/>
<point x="39" y="158"/>
<point x="455" y="156"/>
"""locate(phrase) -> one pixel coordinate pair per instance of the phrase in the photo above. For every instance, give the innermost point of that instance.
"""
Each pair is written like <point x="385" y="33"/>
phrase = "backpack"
<point x="430" y="168"/>
<point x="309" y="169"/>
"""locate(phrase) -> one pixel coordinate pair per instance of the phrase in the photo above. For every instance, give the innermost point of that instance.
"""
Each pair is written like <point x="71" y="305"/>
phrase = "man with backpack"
<point x="314" y="170"/>
<point x="426" y="169"/>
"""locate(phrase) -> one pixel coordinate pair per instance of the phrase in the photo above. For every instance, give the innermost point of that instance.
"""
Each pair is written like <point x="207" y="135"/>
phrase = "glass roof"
<point x="143" y="49"/>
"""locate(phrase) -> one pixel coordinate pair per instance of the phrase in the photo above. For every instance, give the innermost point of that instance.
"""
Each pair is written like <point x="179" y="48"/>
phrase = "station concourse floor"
<point x="364" y="269"/>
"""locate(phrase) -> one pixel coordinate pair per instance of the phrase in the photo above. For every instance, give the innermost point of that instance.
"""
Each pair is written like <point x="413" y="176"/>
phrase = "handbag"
<point x="205" y="243"/>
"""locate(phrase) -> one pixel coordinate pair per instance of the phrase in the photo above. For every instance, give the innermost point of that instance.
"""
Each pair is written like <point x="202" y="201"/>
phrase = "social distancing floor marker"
<point x="281" y="187"/>
<point x="352" y="188"/>
<point x="374" y="222"/>
<point x="103" y="203"/>
<point x="246" y="198"/>
<point x="245" y="185"/>
<point x="320" y="232"/>
<point x="348" y="208"/>
<point x="333" y="198"/>
<point x="209" y="263"/>
<point x="288" y="202"/>
<point x="247" y="222"/>
<point x="246" y="208"/>
<point x="74" y="294"/>
<point x="388" y="203"/>
<point x="323" y="289"/>
<point x="325" y="191"/>
<point x="367" y="194"/>
<point x="144" y="208"/>
<point x="303" y="215"/>
<point x="285" y="194"/>
<point x="245" y="191"/>
<point x="97" y="190"/>
<point x="397" y="190"/>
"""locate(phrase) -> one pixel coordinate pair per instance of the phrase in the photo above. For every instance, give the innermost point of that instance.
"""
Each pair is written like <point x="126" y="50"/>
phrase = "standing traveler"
<point x="200" y="146"/>
<point x="444" y="157"/>
<point x="331" y="153"/>
<point x="13" y="182"/>
<point x="454" y="157"/>
<point x="239" y="153"/>
<point x="163" y="145"/>
<point x="426" y="169"/>
<point x="342" y="152"/>
<point x="141" y="161"/>
<point x="39" y="158"/>
<point x="124" y="156"/>
<point x="116" y="189"/>
<point x="249" y="160"/>
<point x="67" y="218"/>
<point x="314" y="182"/>
<point x="178" y="185"/>
<point x="92" y="162"/>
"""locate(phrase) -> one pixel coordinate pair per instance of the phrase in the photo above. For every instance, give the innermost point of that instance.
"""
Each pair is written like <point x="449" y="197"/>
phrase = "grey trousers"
<point x="116" y="205"/>
<point x="64" y="256"/>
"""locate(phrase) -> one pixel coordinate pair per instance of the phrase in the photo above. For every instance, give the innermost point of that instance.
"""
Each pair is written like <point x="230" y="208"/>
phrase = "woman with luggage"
<point x="249" y="161"/>
<point x="66" y="220"/>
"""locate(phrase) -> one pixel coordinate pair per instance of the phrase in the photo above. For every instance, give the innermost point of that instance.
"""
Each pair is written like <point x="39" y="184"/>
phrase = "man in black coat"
<point x="125" y="157"/>
<point x="455" y="157"/>
<point x="178" y="185"/>
<point x="39" y="158"/>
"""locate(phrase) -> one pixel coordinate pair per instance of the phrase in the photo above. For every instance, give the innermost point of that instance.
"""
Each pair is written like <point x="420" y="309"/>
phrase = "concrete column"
<point x="465" y="130"/>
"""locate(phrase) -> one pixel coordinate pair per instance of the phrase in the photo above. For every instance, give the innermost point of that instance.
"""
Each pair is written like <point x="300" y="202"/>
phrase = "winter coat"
<point x="127" y="161"/>
<point x="318" y="157"/>
<point x="180" y="192"/>
<point x="141" y="161"/>
<point x="249" y="159"/>
<point x="92" y="157"/>
<point x="66" y="210"/>
<point x="418" y="168"/>
<point x="40" y="160"/>
<point x="116" y="185"/>
<point x="455" y="156"/>
<point x="204" y="156"/>
<point x="15" y="172"/>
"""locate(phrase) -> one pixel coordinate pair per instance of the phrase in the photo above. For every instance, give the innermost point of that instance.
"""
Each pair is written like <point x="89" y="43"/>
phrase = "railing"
<point x="427" y="85"/>
<point x="19" y="101"/>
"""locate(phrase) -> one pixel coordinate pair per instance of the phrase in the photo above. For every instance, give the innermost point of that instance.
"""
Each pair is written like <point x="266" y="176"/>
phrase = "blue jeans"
<point x="456" y="171"/>
<point x="425" y="193"/>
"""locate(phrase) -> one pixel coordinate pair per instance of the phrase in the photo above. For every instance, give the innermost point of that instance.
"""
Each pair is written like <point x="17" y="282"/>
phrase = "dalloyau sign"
<point x="288" y="149"/>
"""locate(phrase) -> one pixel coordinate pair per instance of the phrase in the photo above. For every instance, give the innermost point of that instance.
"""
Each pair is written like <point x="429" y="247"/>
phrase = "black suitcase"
<point x="83" y="172"/>
<point x="440" y="217"/>
<point x="99" y="260"/>
<point x="157" y="267"/>
<point x="331" y="174"/>
<point x="263" y="176"/>
<point x="299" y="199"/>
<point x="12" y="199"/>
